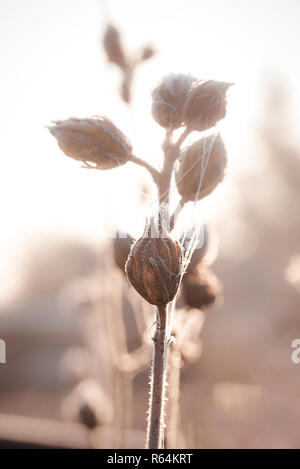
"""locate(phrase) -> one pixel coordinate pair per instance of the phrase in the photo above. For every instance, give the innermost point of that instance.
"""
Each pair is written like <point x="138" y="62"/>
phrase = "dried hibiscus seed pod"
<point x="147" y="52"/>
<point x="205" y="104"/>
<point x="169" y="98"/>
<point x="201" y="168"/>
<point x="93" y="140"/>
<point x="154" y="268"/>
<point x="201" y="289"/>
<point x="121" y="250"/>
<point x="113" y="47"/>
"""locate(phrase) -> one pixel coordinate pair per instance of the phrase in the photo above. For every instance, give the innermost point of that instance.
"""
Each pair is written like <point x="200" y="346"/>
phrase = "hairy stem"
<point x="158" y="383"/>
<point x="155" y="434"/>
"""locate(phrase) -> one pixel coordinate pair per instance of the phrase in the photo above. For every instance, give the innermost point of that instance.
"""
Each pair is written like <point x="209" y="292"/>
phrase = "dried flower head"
<point x="205" y="104"/>
<point x="201" y="168"/>
<point x="113" y="46"/>
<point x="92" y="140"/>
<point x="201" y="289"/>
<point x="154" y="268"/>
<point x="169" y="98"/>
<point x="121" y="250"/>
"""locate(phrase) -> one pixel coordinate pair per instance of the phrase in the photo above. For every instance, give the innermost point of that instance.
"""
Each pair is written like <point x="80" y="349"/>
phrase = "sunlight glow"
<point x="53" y="67"/>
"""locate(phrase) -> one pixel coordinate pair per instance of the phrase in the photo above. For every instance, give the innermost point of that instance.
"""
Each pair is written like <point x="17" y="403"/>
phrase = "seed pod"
<point x="201" y="168"/>
<point x="121" y="250"/>
<point x="147" y="53"/>
<point x="205" y="104"/>
<point x="154" y="268"/>
<point x="169" y="98"/>
<point x="92" y="140"/>
<point x="113" y="47"/>
<point x="202" y="289"/>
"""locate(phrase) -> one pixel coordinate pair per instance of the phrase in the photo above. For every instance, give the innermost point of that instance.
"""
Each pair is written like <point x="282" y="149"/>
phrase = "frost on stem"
<point x="154" y="268"/>
<point x="97" y="142"/>
<point x="201" y="168"/>
<point x="158" y="382"/>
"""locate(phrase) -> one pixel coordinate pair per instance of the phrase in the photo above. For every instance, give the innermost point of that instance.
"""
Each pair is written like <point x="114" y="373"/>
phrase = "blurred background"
<point x="57" y="221"/>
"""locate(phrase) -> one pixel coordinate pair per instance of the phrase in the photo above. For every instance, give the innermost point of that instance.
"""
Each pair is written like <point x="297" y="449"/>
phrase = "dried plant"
<point x="157" y="263"/>
<point x="106" y="358"/>
<point x="127" y="63"/>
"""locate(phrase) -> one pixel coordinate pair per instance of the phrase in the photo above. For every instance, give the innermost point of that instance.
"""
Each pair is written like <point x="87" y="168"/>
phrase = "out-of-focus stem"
<point x="173" y="396"/>
<point x="127" y="400"/>
<point x="158" y="382"/>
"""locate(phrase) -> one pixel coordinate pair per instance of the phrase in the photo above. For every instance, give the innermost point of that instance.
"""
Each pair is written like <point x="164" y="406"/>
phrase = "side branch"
<point x="154" y="172"/>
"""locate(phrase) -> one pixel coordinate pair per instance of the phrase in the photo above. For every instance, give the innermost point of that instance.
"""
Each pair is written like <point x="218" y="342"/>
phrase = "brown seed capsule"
<point x="201" y="168"/>
<point x="92" y="140"/>
<point x="169" y="98"/>
<point x="147" y="52"/>
<point x="154" y="268"/>
<point x="113" y="47"/>
<point x="201" y="289"/>
<point x="121" y="250"/>
<point x="205" y="104"/>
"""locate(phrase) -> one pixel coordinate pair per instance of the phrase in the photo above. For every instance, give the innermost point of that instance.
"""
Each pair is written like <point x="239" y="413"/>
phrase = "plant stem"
<point x="183" y="136"/>
<point x="164" y="183"/>
<point x="155" y="437"/>
<point x="154" y="172"/>
<point x="175" y="214"/>
<point x="158" y="382"/>
<point x="173" y="397"/>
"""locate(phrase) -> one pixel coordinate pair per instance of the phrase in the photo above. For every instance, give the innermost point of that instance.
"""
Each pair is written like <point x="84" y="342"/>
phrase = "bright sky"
<point x="52" y="67"/>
